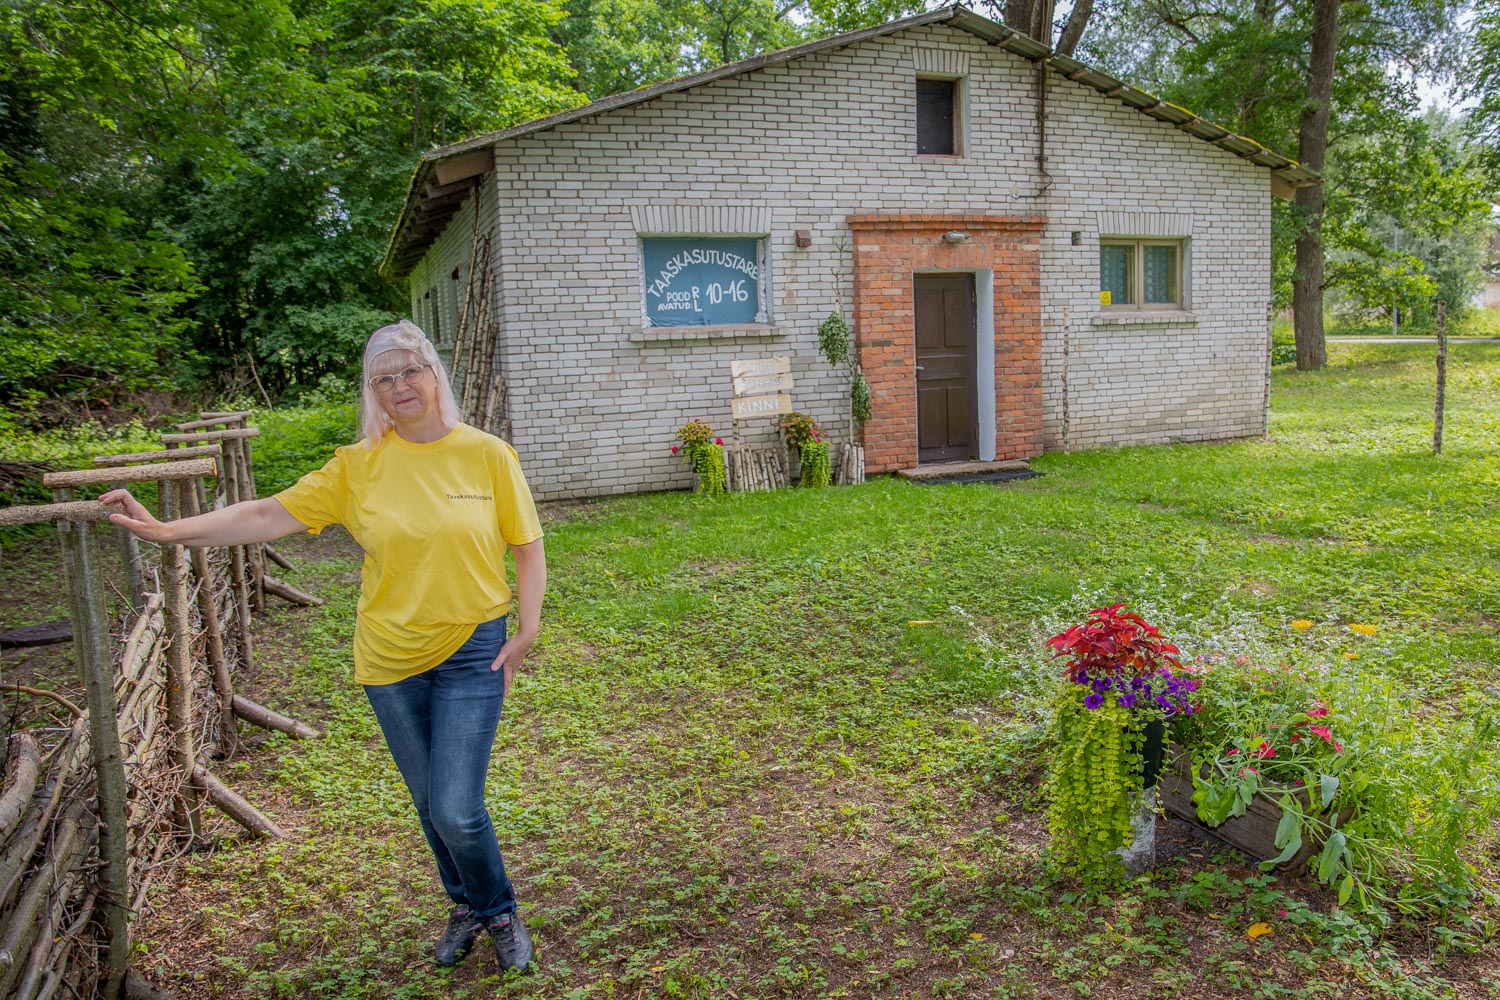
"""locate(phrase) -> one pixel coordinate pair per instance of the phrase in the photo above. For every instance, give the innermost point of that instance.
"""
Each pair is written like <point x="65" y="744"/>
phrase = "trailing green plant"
<point x="1095" y="776"/>
<point x="1120" y="677"/>
<point x="833" y="339"/>
<point x="705" y="456"/>
<point x="859" y="397"/>
<point x="817" y="465"/>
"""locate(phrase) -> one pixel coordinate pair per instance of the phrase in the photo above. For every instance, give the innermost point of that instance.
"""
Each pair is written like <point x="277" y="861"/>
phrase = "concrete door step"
<point x="945" y="470"/>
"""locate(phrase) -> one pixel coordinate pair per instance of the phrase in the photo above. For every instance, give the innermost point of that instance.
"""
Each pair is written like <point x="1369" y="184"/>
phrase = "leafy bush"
<point x="61" y="448"/>
<point x="295" y="440"/>
<point x="1395" y="797"/>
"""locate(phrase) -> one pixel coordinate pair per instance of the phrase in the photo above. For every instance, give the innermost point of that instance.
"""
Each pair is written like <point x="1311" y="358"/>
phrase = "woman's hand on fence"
<point x="136" y="519"/>
<point x="512" y="654"/>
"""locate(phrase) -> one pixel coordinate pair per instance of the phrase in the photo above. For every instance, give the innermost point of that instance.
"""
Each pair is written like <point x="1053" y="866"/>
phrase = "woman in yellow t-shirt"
<point x="435" y="503"/>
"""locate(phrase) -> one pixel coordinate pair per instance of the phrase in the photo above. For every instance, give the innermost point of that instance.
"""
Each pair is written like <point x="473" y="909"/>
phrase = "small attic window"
<point x="937" y="117"/>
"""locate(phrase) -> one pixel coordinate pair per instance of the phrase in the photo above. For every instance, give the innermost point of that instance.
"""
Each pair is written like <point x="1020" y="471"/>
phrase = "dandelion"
<point x="1351" y="656"/>
<point x="1301" y="623"/>
<point x="1359" y="629"/>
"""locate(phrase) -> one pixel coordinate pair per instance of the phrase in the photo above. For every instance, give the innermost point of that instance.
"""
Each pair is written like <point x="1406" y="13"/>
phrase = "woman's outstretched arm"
<point x="238" y="524"/>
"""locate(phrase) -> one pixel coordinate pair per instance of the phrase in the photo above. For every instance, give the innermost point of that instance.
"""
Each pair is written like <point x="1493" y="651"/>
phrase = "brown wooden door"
<point x="947" y="396"/>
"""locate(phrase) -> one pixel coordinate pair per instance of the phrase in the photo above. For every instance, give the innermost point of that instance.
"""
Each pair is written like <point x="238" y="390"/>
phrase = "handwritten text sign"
<point x="760" y="366"/>
<point x="698" y="281"/>
<point x="759" y="385"/>
<point x="747" y="407"/>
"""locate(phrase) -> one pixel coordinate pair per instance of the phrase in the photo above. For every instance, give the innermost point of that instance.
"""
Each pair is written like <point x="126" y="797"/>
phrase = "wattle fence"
<point x="92" y="812"/>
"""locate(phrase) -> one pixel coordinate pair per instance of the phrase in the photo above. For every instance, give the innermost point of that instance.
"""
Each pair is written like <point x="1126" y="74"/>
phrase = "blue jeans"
<point x="440" y="726"/>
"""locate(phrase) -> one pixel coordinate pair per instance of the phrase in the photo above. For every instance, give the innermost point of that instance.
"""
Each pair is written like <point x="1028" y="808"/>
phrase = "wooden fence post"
<point x="180" y="661"/>
<point x="1442" y="376"/>
<point x="90" y="645"/>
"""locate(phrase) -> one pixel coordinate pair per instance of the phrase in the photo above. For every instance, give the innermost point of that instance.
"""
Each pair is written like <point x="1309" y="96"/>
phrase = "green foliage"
<point x="833" y="339"/>
<point x="799" y="429"/>
<point x="1244" y="66"/>
<point x="1390" y="799"/>
<point x="707" y="460"/>
<point x="705" y="456"/>
<point x="295" y="440"/>
<point x="1093" y="783"/>
<point x="859" y="398"/>
<point x="817" y="466"/>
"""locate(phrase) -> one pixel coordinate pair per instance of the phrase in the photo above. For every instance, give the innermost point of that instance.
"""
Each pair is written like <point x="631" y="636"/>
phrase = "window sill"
<point x="939" y="157"/>
<point x="1146" y="317"/>
<point x="694" y="334"/>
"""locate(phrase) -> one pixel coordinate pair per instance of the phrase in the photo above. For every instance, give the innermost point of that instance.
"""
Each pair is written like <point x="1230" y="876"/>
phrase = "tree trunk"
<point x="1312" y="148"/>
<point x="1072" y="32"/>
<point x="1033" y="17"/>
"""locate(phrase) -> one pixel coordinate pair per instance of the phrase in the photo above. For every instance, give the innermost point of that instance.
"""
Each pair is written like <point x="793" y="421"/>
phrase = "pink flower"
<point x="1281" y="913"/>
<point x="718" y="440"/>
<point x="674" y="449"/>
<point x="1242" y="660"/>
<point x="1322" y="709"/>
<point x="1324" y="732"/>
<point x="1265" y="751"/>
<point x="1232" y="750"/>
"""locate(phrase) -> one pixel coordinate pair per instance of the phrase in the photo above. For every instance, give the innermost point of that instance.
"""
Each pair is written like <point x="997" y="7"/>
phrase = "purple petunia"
<point x="1127" y="700"/>
<point x="1093" y="701"/>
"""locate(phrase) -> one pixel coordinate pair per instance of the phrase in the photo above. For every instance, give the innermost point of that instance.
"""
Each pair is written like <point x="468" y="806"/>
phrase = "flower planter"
<point x="1254" y="833"/>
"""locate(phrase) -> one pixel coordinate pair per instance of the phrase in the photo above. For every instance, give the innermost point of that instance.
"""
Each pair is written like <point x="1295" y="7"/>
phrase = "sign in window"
<point x="699" y="281"/>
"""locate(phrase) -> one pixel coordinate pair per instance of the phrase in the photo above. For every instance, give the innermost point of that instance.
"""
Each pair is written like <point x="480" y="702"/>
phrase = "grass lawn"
<point x="738" y="767"/>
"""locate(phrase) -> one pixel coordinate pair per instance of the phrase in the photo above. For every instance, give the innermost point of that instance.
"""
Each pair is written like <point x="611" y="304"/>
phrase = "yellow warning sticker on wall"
<point x="1104" y="298"/>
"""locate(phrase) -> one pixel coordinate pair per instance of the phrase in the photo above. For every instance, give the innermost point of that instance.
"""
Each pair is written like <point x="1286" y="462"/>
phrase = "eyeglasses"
<point x="411" y="376"/>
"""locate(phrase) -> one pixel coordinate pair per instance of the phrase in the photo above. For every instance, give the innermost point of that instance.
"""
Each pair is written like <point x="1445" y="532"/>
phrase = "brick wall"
<point x="806" y="145"/>
<point x="888" y="250"/>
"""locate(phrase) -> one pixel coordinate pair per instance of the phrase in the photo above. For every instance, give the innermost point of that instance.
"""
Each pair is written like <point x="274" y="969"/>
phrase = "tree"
<point x="1317" y="76"/>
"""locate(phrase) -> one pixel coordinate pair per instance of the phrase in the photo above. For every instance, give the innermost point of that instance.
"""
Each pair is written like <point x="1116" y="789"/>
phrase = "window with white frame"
<point x="1141" y="273"/>
<point x="703" y="280"/>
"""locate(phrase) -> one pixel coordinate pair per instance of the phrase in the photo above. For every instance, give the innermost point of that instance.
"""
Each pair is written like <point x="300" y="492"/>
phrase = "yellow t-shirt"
<point x="434" y="520"/>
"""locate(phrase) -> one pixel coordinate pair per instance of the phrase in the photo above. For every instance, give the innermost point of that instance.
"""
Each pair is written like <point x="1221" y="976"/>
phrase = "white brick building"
<point x="1052" y="182"/>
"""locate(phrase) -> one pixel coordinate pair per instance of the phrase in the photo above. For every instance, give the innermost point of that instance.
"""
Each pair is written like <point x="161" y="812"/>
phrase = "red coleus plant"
<point x="1111" y="642"/>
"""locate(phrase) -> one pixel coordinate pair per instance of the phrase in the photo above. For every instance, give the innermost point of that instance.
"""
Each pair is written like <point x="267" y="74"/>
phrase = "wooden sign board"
<point x="757" y="385"/>
<point x="748" y="407"/>
<point x="760" y="366"/>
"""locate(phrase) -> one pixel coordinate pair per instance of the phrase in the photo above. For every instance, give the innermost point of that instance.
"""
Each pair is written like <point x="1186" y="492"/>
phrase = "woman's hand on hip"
<point x="512" y="655"/>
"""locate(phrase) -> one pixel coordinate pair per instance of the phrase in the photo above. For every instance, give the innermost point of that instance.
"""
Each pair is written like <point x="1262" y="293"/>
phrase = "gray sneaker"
<point x="512" y="942"/>
<point x="458" y="937"/>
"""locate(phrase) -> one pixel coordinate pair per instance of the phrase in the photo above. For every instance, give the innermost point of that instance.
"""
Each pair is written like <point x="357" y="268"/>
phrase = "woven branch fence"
<point x="91" y="814"/>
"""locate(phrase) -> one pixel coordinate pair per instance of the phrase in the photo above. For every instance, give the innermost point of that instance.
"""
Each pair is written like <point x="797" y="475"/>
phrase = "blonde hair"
<point x="407" y="337"/>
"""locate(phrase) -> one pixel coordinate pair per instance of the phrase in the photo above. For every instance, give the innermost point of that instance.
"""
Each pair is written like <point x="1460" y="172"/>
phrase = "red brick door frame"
<point x="888" y="251"/>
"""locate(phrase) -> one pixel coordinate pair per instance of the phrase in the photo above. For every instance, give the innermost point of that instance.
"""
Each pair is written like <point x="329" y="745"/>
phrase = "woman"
<point x="434" y="503"/>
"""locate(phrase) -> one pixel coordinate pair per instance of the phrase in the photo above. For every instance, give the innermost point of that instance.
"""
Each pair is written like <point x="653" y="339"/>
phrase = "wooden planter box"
<point x="1254" y="833"/>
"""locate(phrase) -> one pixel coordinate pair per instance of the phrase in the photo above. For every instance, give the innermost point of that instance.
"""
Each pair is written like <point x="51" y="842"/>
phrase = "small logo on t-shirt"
<point x="468" y="496"/>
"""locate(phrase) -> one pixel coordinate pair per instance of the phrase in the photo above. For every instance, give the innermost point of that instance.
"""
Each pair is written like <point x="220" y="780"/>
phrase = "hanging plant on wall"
<point x="833" y="340"/>
<point x="705" y="456"/>
<point x="802" y="433"/>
